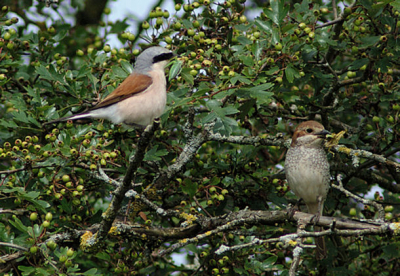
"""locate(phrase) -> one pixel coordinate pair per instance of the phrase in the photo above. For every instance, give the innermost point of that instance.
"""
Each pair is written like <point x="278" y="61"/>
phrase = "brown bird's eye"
<point x="309" y="130"/>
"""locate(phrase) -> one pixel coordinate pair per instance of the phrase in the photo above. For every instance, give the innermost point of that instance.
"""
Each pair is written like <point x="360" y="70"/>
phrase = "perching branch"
<point x="119" y="193"/>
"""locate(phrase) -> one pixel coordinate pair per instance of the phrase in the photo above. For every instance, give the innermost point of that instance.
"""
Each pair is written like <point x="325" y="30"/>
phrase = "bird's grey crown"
<point x="149" y="56"/>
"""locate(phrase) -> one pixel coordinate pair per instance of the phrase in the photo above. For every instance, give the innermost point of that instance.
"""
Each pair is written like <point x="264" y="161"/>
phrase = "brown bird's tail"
<point x="319" y="241"/>
<point x="320" y="245"/>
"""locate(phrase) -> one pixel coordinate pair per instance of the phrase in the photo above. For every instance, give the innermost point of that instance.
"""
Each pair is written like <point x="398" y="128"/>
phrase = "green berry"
<point x="33" y="216"/>
<point x="278" y="46"/>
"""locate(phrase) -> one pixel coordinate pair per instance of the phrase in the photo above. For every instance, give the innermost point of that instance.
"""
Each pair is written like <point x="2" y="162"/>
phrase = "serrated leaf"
<point x="50" y="74"/>
<point x="187" y="76"/>
<point x="20" y="116"/>
<point x="259" y="92"/>
<point x="245" y="108"/>
<point x="244" y="40"/>
<point x="247" y="60"/>
<point x="8" y="123"/>
<point x="263" y="25"/>
<point x="154" y="154"/>
<point x="189" y="187"/>
<point x="118" y="26"/>
<point x="66" y="206"/>
<point x="83" y="72"/>
<point x="239" y="78"/>
<point x="278" y="12"/>
<point x="291" y="73"/>
<point x="34" y="93"/>
<point x="223" y="125"/>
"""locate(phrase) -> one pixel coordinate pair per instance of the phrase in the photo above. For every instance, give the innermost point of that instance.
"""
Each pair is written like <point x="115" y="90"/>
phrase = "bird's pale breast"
<point x="307" y="172"/>
<point x="143" y="108"/>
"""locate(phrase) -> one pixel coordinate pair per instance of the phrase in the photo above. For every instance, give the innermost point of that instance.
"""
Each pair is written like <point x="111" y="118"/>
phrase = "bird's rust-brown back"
<point x="132" y="85"/>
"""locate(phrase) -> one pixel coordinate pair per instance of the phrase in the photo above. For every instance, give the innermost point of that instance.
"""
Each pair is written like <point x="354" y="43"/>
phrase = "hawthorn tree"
<point x="205" y="181"/>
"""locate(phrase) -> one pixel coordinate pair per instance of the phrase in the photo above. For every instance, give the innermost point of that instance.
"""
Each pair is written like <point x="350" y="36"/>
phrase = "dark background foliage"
<point x="248" y="73"/>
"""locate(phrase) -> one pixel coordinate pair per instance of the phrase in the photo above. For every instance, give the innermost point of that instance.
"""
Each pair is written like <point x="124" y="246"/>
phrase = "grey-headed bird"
<point x="140" y="98"/>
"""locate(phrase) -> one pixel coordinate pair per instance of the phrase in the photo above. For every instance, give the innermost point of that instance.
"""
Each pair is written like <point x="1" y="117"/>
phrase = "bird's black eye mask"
<point x="162" y="57"/>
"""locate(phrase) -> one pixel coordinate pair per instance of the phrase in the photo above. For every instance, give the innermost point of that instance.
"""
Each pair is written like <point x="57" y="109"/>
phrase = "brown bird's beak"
<point x="322" y="134"/>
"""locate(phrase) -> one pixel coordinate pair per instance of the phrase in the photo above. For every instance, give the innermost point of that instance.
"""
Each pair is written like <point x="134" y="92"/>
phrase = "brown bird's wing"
<point x="132" y="85"/>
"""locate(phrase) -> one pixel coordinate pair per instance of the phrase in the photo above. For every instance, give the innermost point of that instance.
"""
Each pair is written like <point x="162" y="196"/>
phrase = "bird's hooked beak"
<point x="322" y="134"/>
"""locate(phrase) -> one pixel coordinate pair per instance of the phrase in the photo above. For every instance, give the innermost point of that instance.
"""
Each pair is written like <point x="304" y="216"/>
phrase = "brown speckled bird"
<point x="307" y="172"/>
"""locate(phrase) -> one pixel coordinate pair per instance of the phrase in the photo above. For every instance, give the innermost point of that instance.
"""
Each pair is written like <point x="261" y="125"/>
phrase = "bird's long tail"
<point x="73" y="117"/>
<point x="319" y="241"/>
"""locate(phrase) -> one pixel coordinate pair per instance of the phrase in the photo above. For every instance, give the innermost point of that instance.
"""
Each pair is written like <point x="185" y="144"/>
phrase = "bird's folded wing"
<point x="132" y="85"/>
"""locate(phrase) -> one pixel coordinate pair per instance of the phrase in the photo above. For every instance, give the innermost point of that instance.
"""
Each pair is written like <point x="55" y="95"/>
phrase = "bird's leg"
<point x="293" y="209"/>
<point x="317" y="216"/>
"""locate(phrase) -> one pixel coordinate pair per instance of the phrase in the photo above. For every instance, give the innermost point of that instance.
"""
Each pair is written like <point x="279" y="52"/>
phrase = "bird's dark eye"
<point x="309" y="130"/>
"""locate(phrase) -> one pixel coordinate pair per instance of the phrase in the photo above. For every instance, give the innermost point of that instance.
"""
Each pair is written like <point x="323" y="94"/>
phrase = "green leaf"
<point x="291" y="73"/>
<point x="189" y="187"/>
<point x="187" y="76"/>
<point x="27" y="270"/>
<point x="266" y="26"/>
<point x="119" y="72"/>
<point x="240" y="78"/>
<point x="18" y="224"/>
<point x="268" y="263"/>
<point x="66" y="206"/>
<point x="257" y="49"/>
<point x="34" y="93"/>
<point x="51" y="74"/>
<point x="154" y="154"/>
<point x="247" y="60"/>
<point x="357" y="64"/>
<point x="119" y="26"/>
<point x="175" y="69"/>
<point x="90" y="272"/>
<point x="278" y="12"/>
<point x="224" y="125"/>
<point x="41" y="204"/>
<point x="258" y="92"/>
<point x="20" y="116"/>
<point x="303" y="7"/>
<point x="245" y="109"/>
<point x="84" y="72"/>
<point x="8" y="123"/>
<point x="244" y="40"/>
<point x="214" y="181"/>
<point x="369" y="41"/>
<point x="60" y="35"/>
<point x="128" y="68"/>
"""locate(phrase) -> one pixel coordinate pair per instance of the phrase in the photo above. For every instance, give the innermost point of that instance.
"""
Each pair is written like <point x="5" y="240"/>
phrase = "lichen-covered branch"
<point x="379" y="208"/>
<point x="190" y="149"/>
<point x="160" y="211"/>
<point x="119" y="193"/>
<point x="357" y="154"/>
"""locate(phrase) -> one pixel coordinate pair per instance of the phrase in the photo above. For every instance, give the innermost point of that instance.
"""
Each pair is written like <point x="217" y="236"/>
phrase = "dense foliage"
<point x="247" y="74"/>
